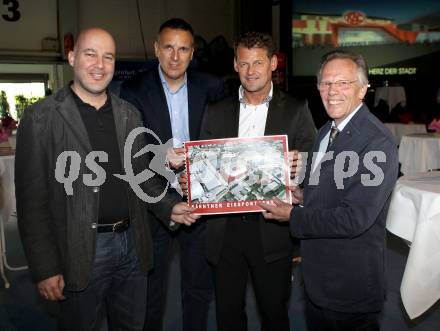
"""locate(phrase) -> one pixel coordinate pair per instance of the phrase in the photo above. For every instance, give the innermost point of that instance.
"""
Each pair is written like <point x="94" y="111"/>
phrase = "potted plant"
<point x="21" y="103"/>
<point x="7" y="122"/>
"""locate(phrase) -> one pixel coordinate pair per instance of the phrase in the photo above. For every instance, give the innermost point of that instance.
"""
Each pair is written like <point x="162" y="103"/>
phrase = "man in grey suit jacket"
<point x="172" y="100"/>
<point x="84" y="231"/>
<point x="344" y="204"/>
<point x="242" y="244"/>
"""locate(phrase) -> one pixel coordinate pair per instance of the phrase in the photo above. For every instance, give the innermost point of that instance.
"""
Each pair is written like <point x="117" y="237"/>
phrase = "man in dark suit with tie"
<point x="242" y="244"/>
<point x="344" y="204"/>
<point x="172" y="100"/>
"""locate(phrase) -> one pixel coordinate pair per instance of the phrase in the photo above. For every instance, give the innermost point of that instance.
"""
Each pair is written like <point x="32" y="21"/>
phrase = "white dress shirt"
<point x="252" y="121"/>
<point x="324" y="141"/>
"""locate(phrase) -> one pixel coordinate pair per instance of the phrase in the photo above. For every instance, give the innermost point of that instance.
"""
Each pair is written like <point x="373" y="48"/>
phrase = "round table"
<point x="7" y="187"/>
<point x="7" y="206"/>
<point x="398" y="130"/>
<point x="7" y="203"/>
<point x="414" y="215"/>
<point x="419" y="153"/>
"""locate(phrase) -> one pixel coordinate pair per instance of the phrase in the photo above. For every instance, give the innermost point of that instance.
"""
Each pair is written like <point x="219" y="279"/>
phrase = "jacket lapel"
<point x="158" y="101"/>
<point x="233" y="112"/>
<point x="275" y="122"/>
<point x="196" y="106"/>
<point x="68" y="110"/>
<point x="321" y="133"/>
<point x="120" y="116"/>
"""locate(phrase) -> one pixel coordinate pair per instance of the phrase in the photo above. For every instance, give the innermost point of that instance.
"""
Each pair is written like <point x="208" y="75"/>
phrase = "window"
<point x="30" y="87"/>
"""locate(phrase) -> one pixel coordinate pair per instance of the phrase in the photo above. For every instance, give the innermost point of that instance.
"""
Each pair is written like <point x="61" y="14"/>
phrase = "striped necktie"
<point x="333" y="134"/>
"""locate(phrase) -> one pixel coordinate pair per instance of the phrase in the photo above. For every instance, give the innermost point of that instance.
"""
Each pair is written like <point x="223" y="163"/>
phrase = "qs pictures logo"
<point x="68" y="166"/>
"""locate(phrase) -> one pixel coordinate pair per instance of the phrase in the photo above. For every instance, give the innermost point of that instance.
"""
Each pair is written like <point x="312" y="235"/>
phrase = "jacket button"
<point x="95" y="189"/>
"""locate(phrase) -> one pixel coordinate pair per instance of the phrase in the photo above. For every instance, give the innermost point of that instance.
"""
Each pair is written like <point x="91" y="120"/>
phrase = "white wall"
<point x="56" y="72"/>
<point x="208" y="18"/>
<point x="20" y="41"/>
<point x="38" y="20"/>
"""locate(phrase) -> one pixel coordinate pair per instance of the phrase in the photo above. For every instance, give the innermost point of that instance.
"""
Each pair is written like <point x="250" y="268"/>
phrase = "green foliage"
<point x="4" y="105"/>
<point x="7" y="123"/>
<point x="21" y="103"/>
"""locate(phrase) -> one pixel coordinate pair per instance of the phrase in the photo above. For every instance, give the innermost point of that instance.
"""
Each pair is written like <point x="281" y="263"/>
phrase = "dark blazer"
<point x="56" y="228"/>
<point x="286" y="115"/>
<point x="146" y="93"/>
<point x="343" y="230"/>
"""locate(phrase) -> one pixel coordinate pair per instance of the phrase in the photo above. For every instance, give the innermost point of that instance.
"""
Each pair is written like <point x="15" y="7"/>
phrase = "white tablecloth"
<point x="7" y="187"/>
<point x="419" y="153"/>
<point x="414" y="215"/>
<point x="392" y="95"/>
<point x="7" y="206"/>
<point x="398" y="130"/>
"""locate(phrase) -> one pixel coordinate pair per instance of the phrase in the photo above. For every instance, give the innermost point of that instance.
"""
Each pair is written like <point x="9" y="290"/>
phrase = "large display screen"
<point x="397" y="37"/>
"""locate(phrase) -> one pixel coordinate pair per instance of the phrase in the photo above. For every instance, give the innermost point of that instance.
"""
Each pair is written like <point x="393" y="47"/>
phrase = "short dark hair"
<point x="362" y="67"/>
<point x="255" y="39"/>
<point x="177" y="24"/>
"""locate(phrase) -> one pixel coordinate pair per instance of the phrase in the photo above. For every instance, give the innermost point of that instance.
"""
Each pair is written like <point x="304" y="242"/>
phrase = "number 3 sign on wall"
<point x="12" y="7"/>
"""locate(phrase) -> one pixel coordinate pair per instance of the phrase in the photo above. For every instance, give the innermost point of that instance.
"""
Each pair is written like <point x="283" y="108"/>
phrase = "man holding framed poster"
<point x="243" y="243"/>
<point x="342" y="210"/>
<point x="172" y="99"/>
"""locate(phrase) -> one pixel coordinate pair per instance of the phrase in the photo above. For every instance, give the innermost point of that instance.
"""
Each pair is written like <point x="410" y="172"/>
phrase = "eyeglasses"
<point x="340" y="85"/>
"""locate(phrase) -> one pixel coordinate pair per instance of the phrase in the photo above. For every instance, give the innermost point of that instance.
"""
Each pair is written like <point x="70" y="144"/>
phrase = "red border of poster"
<point x="240" y="206"/>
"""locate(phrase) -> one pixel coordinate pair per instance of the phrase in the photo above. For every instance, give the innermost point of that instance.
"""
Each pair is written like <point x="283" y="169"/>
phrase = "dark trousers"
<point x="116" y="286"/>
<point x="242" y="254"/>
<point x="318" y="319"/>
<point x="196" y="278"/>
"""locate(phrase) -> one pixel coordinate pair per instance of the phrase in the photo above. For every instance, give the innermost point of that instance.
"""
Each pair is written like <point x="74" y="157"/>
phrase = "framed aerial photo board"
<point x="233" y="175"/>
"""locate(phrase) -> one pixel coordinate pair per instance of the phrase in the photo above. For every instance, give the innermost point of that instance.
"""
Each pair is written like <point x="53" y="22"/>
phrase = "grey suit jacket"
<point x="286" y="115"/>
<point x="56" y="228"/>
<point x="343" y="229"/>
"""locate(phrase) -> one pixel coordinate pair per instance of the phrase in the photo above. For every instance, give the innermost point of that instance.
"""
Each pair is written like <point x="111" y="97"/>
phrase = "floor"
<point x="21" y="309"/>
